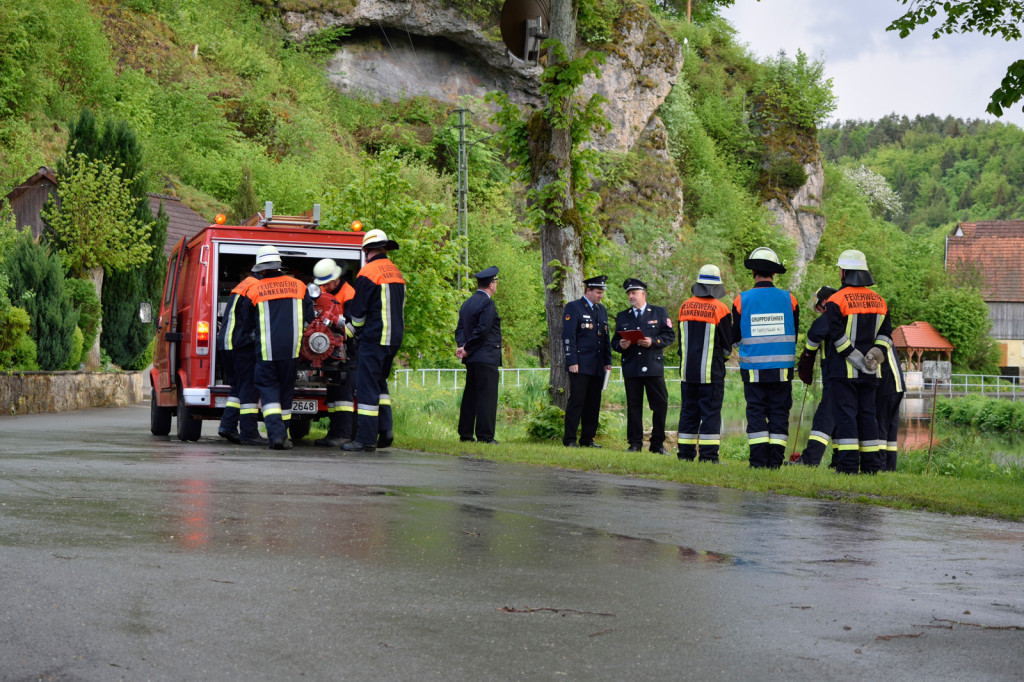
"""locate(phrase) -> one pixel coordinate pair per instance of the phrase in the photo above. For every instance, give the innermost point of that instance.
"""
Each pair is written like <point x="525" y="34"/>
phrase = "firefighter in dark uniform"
<point x="764" y="322"/>
<point x="478" y="346"/>
<point x="588" y="357"/>
<point x="376" y="316"/>
<point x="237" y="351"/>
<point x="643" y="365"/>
<point x="280" y="307"/>
<point x="705" y="343"/>
<point x="327" y="275"/>
<point x="860" y="332"/>
<point x="890" y="394"/>
<point x="822" y="426"/>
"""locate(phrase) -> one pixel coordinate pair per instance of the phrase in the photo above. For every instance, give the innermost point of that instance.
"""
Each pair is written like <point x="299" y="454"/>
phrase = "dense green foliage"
<point x="985" y="414"/>
<point x="17" y="348"/>
<point x="943" y="169"/>
<point x="37" y="285"/>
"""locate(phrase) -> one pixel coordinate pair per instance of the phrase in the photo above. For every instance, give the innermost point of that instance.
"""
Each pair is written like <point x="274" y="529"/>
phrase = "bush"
<point x="547" y="423"/>
<point x="76" y="351"/>
<point x="17" y="349"/>
<point x="83" y="295"/>
<point x="37" y="285"/>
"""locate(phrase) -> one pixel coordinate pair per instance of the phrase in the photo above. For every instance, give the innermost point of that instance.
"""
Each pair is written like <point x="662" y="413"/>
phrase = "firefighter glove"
<point x="805" y="367"/>
<point x="856" y="358"/>
<point x="873" y="358"/>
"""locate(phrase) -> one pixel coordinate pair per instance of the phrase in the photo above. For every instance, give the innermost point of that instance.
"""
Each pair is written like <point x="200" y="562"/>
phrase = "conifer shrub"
<point x="37" y="285"/>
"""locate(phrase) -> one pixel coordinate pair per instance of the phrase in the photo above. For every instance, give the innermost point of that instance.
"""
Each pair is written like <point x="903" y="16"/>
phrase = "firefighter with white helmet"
<point x="376" y="316"/>
<point x="236" y="344"/>
<point x="279" y="307"/>
<point x="861" y="333"/>
<point x="705" y="343"/>
<point x="765" y="320"/>
<point x="335" y="292"/>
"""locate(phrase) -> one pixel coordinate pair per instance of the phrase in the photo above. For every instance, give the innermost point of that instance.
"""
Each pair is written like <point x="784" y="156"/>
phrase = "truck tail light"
<point x="202" y="337"/>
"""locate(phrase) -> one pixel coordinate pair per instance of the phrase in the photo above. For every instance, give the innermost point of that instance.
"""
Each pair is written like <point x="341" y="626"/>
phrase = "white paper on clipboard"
<point x="607" y="376"/>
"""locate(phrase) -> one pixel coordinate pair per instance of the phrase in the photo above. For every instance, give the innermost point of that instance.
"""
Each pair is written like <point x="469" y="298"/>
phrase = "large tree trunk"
<point x="560" y="245"/>
<point x="92" y="358"/>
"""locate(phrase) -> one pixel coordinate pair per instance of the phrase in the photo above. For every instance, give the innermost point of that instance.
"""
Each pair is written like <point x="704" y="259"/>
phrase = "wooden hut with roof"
<point x="912" y="341"/>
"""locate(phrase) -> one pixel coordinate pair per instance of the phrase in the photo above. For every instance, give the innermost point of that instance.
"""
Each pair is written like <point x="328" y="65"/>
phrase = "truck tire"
<point x="298" y="427"/>
<point x="159" y="417"/>
<point x="188" y="428"/>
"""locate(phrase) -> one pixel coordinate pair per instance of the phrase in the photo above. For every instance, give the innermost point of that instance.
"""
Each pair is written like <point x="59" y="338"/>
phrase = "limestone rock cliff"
<point x="799" y="217"/>
<point x="402" y="48"/>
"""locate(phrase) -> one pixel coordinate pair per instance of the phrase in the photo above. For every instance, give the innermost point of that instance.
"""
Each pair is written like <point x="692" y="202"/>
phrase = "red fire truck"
<point x="187" y="381"/>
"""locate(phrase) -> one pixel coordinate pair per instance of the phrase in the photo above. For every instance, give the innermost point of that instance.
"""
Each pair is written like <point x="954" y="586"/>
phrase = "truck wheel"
<point x="188" y="428"/>
<point x="298" y="427"/>
<point x="159" y="417"/>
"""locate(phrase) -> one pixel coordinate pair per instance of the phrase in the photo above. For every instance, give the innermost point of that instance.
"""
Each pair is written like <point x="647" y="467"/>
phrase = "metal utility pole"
<point x="463" y="188"/>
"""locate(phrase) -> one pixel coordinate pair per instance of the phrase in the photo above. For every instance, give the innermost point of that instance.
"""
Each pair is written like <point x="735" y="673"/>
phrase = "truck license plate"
<point x="304" y="407"/>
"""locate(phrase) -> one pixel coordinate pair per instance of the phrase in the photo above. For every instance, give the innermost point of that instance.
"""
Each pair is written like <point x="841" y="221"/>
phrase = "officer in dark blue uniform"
<point x="643" y="365"/>
<point x="588" y="356"/>
<point x="478" y="341"/>
<point x="765" y="320"/>
<point x="822" y="426"/>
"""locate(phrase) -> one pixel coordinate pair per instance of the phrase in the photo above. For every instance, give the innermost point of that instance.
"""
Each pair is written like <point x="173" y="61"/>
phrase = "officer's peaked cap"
<point x="378" y="239"/>
<point x="485" y="276"/>
<point x="599" y="282"/>
<point x="633" y="283"/>
<point x="763" y="259"/>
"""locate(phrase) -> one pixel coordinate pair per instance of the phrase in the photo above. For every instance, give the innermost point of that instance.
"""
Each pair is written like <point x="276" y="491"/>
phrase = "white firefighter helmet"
<point x="377" y="239"/>
<point x="709" y="282"/>
<point x="325" y="271"/>
<point x="855" y="266"/>
<point x="763" y="259"/>
<point x="267" y="258"/>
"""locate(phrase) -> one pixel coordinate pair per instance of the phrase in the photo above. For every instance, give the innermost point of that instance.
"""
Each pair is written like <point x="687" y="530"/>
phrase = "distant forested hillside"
<point x="944" y="169"/>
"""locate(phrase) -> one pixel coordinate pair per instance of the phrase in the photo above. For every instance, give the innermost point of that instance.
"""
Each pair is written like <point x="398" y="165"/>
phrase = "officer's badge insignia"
<point x="568" y="317"/>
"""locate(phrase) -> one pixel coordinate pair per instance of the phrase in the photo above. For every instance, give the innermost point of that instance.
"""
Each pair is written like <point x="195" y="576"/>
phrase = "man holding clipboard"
<point x="642" y="333"/>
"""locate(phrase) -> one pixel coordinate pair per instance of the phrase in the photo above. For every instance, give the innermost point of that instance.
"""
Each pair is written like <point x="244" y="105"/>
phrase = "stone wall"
<point x="31" y="392"/>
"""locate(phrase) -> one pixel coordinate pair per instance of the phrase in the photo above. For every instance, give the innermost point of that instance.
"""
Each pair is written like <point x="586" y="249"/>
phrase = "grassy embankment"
<point x="962" y="478"/>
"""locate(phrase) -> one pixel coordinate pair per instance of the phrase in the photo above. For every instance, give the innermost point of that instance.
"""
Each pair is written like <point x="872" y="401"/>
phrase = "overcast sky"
<point x="874" y="72"/>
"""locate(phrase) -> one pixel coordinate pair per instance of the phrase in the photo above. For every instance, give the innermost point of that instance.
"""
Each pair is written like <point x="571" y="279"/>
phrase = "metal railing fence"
<point x="453" y="378"/>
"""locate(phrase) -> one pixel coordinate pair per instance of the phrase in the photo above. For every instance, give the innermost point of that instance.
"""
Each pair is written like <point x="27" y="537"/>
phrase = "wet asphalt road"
<point x="124" y="556"/>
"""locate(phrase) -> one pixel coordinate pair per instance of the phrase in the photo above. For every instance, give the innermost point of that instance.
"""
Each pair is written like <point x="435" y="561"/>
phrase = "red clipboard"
<point x="632" y="335"/>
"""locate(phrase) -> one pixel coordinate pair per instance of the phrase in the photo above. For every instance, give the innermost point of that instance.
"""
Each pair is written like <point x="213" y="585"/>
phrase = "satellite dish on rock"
<point x="524" y="25"/>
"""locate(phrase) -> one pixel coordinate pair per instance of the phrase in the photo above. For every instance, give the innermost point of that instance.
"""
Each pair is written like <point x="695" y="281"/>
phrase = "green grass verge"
<point x="960" y="478"/>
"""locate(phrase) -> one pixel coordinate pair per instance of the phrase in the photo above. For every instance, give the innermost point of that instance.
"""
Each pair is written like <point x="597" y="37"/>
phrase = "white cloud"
<point x="874" y="71"/>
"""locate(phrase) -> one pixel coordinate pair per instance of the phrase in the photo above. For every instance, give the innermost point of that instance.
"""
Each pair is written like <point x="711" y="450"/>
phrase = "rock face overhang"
<point x="402" y="49"/>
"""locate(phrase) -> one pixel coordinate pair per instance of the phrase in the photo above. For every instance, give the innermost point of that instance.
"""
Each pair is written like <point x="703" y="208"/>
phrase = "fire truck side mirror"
<point x="314" y="291"/>
<point x="146" y="312"/>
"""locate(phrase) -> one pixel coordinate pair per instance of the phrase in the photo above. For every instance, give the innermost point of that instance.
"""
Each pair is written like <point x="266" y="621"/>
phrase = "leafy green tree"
<point x="1002" y="18"/>
<point x="961" y="315"/>
<point x="547" y="152"/>
<point x="37" y="286"/>
<point x="95" y="224"/>
<point x="382" y="195"/>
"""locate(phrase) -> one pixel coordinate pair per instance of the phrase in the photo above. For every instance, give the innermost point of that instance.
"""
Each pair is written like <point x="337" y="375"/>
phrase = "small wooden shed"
<point x="912" y="341"/>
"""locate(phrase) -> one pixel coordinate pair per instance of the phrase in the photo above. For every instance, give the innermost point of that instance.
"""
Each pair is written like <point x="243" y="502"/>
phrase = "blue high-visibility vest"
<point x="768" y="331"/>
